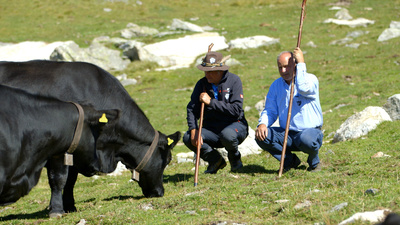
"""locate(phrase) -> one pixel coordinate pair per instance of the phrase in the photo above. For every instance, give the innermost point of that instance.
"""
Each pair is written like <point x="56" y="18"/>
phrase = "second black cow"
<point x="86" y="83"/>
<point x="37" y="131"/>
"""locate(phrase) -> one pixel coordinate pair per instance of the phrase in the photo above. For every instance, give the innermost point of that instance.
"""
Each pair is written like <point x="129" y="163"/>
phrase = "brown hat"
<point x="213" y="62"/>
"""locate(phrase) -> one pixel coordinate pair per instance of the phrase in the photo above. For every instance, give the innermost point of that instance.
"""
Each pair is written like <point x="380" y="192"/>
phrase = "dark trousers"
<point x="308" y="141"/>
<point x="230" y="138"/>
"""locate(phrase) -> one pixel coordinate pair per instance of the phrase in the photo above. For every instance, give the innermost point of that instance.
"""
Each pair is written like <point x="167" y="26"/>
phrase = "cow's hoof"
<point x="55" y="215"/>
<point x="70" y="209"/>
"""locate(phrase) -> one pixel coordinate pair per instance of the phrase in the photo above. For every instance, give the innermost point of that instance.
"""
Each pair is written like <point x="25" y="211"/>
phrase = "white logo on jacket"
<point x="227" y="94"/>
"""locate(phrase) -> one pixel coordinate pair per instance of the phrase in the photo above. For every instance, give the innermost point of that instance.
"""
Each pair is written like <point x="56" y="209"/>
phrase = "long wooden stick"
<point x="196" y="172"/>
<point x="291" y="95"/>
<point x="196" y="168"/>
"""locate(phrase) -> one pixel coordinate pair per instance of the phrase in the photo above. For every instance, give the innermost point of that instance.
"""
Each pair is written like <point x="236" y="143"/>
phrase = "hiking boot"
<point x="214" y="167"/>
<point x="236" y="165"/>
<point x="317" y="168"/>
<point x="295" y="163"/>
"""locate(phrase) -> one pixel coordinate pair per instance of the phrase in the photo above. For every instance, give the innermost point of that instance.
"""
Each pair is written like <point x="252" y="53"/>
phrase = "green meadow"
<point x="352" y="78"/>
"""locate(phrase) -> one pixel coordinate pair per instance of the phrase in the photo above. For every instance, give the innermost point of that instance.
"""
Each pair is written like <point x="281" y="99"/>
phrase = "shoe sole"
<point x="234" y="169"/>
<point x="219" y="167"/>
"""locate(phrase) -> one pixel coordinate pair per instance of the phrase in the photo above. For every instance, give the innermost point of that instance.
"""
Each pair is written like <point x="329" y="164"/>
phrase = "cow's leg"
<point x="57" y="174"/>
<point x="68" y="195"/>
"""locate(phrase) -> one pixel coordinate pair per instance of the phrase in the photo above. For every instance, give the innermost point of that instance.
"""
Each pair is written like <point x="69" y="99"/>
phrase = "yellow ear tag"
<point x="170" y="141"/>
<point x="103" y="119"/>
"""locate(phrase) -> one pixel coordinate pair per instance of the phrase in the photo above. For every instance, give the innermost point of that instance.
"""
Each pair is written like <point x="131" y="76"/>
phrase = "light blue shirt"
<point x="306" y="108"/>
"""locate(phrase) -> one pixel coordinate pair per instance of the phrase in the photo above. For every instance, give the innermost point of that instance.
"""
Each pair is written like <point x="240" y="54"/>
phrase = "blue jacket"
<point x="221" y="112"/>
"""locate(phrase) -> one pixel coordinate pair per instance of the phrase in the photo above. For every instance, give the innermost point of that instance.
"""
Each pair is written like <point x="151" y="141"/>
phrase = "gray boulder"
<point x="125" y="81"/>
<point x="349" y="38"/>
<point x="178" y="24"/>
<point x="392" y="107"/>
<point x="133" y="30"/>
<point x="361" y="123"/>
<point x="97" y="54"/>
<point x="356" y="33"/>
<point x="343" y="14"/>
<point x="248" y="147"/>
<point x="181" y="52"/>
<point x="252" y="42"/>
<point x="130" y="49"/>
<point x="260" y="105"/>
<point x="392" y="32"/>
<point x="359" y="22"/>
<point x="116" y="41"/>
<point x="27" y="50"/>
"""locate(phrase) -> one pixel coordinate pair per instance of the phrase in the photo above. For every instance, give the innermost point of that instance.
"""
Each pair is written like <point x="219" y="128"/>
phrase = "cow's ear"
<point x="103" y="117"/>
<point x="106" y="141"/>
<point x="173" y="139"/>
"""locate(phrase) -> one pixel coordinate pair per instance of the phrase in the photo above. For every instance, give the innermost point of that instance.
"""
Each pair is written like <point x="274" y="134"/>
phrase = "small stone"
<point x="339" y="207"/>
<point x="311" y="44"/>
<point x="190" y="212"/>
<point x="146" y="207"/>
<point x="282" y="201"/>
<point x="379" y="154"/>
<point x="371" y="191"/>
<point x="329" y="152"/>
<point x="81" y="222"/>
<point x="304" y="204"/>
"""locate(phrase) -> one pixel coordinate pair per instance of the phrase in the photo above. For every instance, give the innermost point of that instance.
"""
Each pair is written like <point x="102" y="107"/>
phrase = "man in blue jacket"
<point x="224" y="124"/>
<point x="306" y="117"/>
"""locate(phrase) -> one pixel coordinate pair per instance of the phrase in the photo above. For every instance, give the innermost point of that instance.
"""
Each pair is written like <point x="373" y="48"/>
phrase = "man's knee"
<point x="311" y="139"/>
<point x="187" y="141"/>
<point x="186" y="138"/>
<point x="268" y="141"/>
<point x="265" y="145"/>
<point x="228" y="137"/>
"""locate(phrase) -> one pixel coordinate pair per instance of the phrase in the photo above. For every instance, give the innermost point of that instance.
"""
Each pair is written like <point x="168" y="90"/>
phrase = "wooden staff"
<point x="196" y="170"/>
<point x="291" y="95"/>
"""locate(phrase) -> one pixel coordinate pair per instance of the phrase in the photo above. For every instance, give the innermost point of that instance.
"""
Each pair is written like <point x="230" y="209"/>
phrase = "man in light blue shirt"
<point x="306" y="117"/>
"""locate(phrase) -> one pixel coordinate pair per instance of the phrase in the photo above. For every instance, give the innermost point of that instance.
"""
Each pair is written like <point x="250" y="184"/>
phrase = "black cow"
<point x="86" y="83"/>
<point x="38" y="130"/>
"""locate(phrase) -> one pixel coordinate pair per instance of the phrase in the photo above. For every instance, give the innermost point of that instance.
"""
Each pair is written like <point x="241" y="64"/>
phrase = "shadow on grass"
<point x="43" y="214"/>
<point x="252" y="168"/>
<point x="124" y="197"/>
<point x="179" y="177"/>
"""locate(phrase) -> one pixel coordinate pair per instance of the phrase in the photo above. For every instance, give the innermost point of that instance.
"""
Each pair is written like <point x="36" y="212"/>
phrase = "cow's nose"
<point x="158" y="192"/>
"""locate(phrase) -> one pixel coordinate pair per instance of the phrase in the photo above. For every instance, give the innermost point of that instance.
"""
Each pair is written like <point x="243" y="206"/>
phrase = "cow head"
<point x="151" y="177"/>
<point x="131" y="151"/>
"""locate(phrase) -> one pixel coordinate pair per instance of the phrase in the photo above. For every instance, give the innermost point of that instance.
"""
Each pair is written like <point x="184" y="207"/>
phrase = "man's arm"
<point x="193" y="107"/>
<point x="307" y="84"/>
<point x="298" y="55"/>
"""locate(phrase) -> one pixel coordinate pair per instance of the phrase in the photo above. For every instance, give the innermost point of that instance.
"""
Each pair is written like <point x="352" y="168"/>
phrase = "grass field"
<point x="355" y="78"/>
